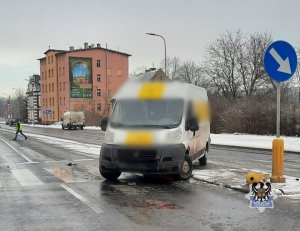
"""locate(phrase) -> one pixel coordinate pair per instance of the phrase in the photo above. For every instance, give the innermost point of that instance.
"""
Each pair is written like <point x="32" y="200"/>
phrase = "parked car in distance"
<point x="11" y="122"/>
<point x="73" y="119"/>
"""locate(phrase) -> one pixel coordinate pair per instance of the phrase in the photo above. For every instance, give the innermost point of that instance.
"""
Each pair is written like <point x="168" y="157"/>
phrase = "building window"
<point x="49" y="74"/>
<point x="63" y="70"/>
<point x="52" y="73"/>
<point x="108" y="72"/>
<point x="53" y="101"/>
<point x="64" y="86"/>
<point x="98" y="78"/>
<point x="98" y="63"/>
<point x="51" y="58"/>
<point x="98" y="92"/>
<point x="48" y="59"/>
<point x="49" y="87"/>
<point x="46" y="88"/>
<point x="99" y="107"/>
<point x="46" y="102"/>
<point x="45" y="75"/>
<point x="52" y="86"/>
<point x="64" y="100"/>
<point x="43" y="88"/>
<point x="119" y="72"/>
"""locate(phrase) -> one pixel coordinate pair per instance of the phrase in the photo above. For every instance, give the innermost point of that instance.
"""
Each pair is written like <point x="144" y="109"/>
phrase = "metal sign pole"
<point x="278" y="112"/>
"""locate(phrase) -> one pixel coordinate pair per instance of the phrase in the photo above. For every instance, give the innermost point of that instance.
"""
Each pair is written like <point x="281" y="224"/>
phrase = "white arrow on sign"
<point x="284" y="65"/>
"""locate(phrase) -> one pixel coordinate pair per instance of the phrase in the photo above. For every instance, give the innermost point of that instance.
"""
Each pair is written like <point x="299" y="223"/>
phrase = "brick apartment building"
<point x="80" y="80"/>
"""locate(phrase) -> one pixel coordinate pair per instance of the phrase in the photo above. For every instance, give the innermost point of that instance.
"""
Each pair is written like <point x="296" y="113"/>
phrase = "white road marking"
<point x="26" y="163"/>
<point x="83" y="160"/>
<point x="26" y="177"/>
<point x="58" y="161"/>
<point x="82" y="199"/>
<point x="17" y="151"/>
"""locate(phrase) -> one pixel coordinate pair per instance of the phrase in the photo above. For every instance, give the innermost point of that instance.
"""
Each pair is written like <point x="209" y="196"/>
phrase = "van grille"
<point x="136" y="155"/>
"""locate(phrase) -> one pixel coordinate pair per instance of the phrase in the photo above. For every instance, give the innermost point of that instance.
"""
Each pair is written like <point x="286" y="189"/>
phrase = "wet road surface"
<point x="38" y="191"/>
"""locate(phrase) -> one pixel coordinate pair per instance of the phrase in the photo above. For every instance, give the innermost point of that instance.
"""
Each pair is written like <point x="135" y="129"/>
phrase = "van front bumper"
<point x="160" y="159"/>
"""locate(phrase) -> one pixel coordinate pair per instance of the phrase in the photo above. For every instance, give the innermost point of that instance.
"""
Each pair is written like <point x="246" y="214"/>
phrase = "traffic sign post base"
<point x="278" y="161"/>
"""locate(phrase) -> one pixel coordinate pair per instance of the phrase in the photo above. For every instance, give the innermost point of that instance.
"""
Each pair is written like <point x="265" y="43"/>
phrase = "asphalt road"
<point x="38" y="191"/>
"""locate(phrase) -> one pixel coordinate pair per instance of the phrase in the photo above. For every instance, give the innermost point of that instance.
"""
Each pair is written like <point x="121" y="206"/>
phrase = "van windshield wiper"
<point x="116" y="124"/>
<point x="153" y="126"/>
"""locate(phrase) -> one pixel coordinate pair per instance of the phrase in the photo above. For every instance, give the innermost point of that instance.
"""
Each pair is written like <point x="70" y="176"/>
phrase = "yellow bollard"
<point x="278" y="161"/>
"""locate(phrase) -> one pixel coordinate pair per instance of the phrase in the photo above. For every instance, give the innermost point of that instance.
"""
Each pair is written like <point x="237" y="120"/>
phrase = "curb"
<point x="244" y="189"/>
<point x="248" y="148"/>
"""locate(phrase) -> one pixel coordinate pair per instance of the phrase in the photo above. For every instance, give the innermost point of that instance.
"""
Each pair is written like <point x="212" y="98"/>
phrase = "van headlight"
<point x="109" y="137"/>
<point x="174" y="136"/>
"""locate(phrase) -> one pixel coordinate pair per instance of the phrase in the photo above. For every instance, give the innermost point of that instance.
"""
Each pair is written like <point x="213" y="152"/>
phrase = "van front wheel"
<point x="110" y="175"/>
<point x="186" y="168"/>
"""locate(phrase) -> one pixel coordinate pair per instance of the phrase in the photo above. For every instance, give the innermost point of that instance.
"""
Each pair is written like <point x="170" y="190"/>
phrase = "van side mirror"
<point x="103" y="123"/>
<point x="193" y="124"/>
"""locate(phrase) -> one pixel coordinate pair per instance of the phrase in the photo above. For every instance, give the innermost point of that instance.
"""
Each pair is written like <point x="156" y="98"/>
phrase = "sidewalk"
<point x="236" y="179"/>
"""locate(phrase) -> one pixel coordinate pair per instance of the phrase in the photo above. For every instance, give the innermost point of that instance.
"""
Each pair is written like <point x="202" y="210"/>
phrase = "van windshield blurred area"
<point x="166" y="113"/>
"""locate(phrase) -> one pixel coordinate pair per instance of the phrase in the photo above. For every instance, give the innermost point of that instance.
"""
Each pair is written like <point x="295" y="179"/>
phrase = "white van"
<point x="73" y="119"/>
<point x="156" y="128"/>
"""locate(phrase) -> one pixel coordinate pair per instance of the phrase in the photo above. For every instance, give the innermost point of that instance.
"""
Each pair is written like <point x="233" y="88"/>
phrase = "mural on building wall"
<point x="81" y="77"/>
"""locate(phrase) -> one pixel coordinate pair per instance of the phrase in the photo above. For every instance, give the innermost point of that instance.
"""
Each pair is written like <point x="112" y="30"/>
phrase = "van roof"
<point x="159" y="90"/>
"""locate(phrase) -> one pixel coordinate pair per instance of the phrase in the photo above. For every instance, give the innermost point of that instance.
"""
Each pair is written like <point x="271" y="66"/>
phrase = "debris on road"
<point x="71" y="164"/>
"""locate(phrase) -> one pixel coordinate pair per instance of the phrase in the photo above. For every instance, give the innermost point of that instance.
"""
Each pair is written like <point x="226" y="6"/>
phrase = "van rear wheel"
<point x="186" y="168"/>
<point x="110" y="175"/>
<point x="203" y="160"/>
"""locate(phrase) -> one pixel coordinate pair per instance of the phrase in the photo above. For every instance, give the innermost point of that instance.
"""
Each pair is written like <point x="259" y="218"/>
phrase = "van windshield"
<point x="166" y="113"/>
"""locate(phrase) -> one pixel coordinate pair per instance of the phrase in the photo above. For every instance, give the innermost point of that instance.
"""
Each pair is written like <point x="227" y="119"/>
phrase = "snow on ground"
<point x="236" y="179"/>
<point x="69" y="144"/>
<point x="58" y="126"/>
<point x="254" y="141"/>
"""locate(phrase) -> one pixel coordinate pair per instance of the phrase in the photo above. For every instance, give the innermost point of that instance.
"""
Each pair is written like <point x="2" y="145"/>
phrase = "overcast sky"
<point x="28" y="27"/>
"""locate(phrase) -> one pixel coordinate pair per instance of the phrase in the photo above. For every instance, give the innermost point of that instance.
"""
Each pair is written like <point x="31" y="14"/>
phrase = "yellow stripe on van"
<point x="139" y="138"/>
<point x="202" y="111"/>
<point x="152" y="90"/>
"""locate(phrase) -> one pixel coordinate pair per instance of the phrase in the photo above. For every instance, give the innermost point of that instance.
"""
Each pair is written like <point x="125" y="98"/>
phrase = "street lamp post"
<point x="165" y="48"/>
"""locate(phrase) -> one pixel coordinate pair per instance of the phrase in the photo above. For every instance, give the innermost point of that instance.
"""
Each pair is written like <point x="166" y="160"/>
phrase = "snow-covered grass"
<point x="254" y="141"/>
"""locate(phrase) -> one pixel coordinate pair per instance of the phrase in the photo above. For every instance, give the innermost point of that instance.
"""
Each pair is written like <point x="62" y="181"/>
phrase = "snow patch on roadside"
<point x="58" y="126"/>
<point x="69" y="144"/>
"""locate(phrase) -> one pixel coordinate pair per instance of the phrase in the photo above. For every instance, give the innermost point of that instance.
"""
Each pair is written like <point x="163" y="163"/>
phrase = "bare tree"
<point x="19" y="105"/>
<point x="138" y="71"/>
<point x="250" y="63"/>
<point x="173" y="66"/>
<point x="222" y="61"/>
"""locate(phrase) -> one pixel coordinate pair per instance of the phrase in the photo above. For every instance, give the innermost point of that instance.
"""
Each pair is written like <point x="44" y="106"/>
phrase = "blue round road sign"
<point x="280" y="61"/>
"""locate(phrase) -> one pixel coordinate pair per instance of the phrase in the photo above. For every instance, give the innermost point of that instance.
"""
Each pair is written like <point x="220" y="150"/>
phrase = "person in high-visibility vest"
<point x="19" y="128"/>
